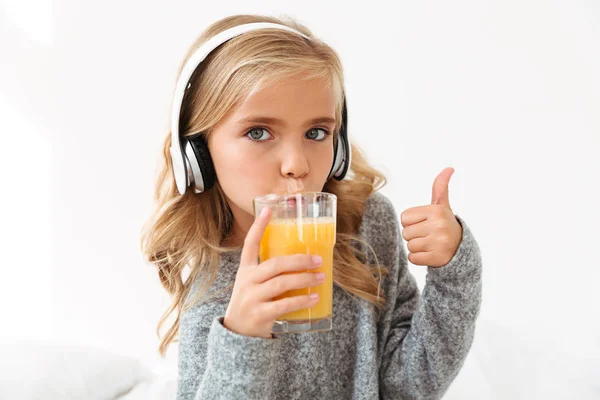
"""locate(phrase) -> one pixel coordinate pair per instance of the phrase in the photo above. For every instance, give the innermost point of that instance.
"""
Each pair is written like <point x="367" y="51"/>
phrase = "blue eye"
<point x="257" y="134"/>
<point x="317" y="134"/>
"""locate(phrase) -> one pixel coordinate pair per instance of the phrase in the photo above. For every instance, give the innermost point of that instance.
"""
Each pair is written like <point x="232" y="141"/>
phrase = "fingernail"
<point x="317" y="260"/>
<point x="320" y="276"/>
<point x="263" y="212"/>
<point x="314" y="296"/>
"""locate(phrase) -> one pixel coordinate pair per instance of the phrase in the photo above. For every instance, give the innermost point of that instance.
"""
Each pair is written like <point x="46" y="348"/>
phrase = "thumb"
<point x="439" y="193"/>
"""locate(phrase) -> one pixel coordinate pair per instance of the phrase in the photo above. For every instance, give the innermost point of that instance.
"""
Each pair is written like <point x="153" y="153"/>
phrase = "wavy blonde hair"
<point x="189" y="230"/>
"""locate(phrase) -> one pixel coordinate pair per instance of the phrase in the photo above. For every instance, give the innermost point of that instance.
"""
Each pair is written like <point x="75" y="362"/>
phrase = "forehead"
<point x="292" y="96"/>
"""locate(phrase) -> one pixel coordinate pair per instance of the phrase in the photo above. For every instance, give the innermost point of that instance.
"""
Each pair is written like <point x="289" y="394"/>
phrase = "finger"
<point x="251" y="247"/>
<point x="420" y="258"/>
<point x="275" y="309"/>
<point x="415" y="215"/>
<point x="279" y="265"/>
<point x="421" y="229"/>
<point x="283" y="283"/>
<point x="419" y="245"/>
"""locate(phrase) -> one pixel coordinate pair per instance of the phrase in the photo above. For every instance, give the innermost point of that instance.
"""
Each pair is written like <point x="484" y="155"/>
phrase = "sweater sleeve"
<point x="427" y="337"/>
<point x="216" y="363"/>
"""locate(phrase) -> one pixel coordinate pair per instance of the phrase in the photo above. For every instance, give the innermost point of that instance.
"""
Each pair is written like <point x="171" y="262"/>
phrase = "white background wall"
<point x="506" y="92"/>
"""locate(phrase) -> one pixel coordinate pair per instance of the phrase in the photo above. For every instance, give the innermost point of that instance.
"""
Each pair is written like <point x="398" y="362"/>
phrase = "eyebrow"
<point x="278" y="122"/>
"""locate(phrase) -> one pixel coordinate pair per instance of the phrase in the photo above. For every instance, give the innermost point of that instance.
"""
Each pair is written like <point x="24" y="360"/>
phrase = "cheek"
<point x="240" y="173"/>
<point x="323" y="160"/>
<point x="233" y="166"/>
<point x="247" y="170"/>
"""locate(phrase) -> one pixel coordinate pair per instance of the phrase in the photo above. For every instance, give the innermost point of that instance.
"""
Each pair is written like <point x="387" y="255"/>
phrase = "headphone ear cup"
<point x="341" y="162"/>
<point x="344" y="150"/>
<point x="336" y="158"/>
<point x="207" y="169"/>
<point x="341" y="150"/>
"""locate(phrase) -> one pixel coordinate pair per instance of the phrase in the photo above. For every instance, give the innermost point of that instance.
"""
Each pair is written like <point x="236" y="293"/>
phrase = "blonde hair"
<point x="188" y="230"/>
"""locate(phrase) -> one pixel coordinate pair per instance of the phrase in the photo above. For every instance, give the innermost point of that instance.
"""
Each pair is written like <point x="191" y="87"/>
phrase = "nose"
<point x="294" y="163"/>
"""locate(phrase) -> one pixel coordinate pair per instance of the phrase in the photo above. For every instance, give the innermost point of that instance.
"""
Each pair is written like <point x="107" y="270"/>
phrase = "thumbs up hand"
<point x="432" y="232"/>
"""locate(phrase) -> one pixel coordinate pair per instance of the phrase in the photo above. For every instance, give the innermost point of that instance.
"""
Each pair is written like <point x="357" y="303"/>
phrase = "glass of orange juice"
<point x="302" y="223"/>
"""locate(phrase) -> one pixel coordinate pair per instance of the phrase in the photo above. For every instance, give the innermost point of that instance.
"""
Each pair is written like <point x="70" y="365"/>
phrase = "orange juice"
<point x="314" y="236"/>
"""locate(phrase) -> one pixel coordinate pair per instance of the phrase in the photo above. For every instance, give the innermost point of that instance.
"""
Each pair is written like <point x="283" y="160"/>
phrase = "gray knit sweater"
<point x="414" y="350"/>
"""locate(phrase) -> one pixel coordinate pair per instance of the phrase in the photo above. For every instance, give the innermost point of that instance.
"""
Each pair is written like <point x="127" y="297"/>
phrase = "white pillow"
<point x="163" y="385"/>
<point x="161" y="388"/>
<point x="501" y="365"/>
<point x="37" y="370"/>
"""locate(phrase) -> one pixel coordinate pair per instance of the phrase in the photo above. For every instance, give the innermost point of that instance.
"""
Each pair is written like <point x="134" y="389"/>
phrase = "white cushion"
<point x="40" y="370"/>
<point x="501" y="365"/>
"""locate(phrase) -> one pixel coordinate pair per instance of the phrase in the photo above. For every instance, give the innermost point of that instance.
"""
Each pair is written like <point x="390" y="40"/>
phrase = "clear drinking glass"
<point x="302" y="223"/>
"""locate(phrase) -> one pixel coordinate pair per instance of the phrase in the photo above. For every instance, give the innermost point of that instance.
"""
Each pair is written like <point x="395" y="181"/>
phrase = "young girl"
<point x="257" y="108"/>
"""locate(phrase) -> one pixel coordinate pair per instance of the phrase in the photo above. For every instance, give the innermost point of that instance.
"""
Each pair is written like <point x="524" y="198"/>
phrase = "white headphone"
<point x="192" y="164"/>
